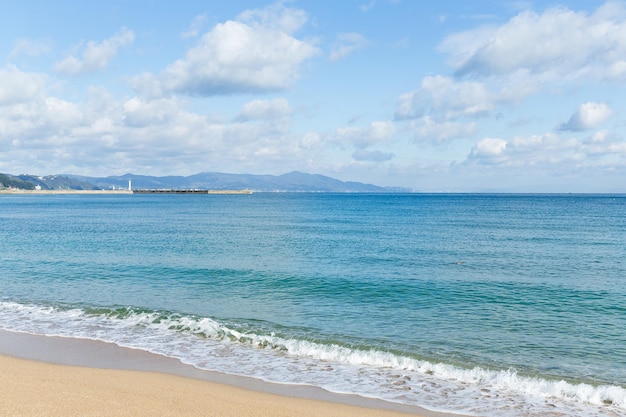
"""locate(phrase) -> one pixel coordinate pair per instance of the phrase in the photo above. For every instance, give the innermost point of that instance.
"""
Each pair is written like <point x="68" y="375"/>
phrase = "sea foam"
<point x="208" y="344"/>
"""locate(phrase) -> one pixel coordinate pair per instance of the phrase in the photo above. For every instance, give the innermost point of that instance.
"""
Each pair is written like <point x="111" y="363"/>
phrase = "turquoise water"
<point x="511" y="305"/>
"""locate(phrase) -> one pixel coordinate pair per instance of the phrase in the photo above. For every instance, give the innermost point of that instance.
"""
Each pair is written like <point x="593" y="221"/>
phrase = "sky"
<point x="445" y="96"/>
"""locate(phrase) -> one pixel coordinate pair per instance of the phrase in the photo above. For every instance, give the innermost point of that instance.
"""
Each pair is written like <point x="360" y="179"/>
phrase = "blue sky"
<point x="521" y="96"/>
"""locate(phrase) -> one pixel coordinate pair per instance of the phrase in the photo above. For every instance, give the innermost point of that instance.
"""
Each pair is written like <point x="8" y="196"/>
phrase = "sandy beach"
<point x="31" y="388"/>
<point x="40" y="388"/>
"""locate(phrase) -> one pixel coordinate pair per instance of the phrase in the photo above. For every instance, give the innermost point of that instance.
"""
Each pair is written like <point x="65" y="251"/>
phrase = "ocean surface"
<point x="492" y="305"/>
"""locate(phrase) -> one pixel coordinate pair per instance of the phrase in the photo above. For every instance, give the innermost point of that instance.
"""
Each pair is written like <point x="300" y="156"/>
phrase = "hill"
<point x="290" y="182"/>
<point x="49" y="182"/>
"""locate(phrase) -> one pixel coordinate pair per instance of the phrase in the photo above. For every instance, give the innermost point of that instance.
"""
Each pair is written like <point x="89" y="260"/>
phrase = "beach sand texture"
<point x="32" y="388"/>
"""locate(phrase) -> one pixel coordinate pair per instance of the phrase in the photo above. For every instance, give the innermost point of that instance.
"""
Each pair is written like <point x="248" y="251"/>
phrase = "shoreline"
<point x="133" y="382"/>
<point x="116" y="192"/>
<point x="63" y="192"/>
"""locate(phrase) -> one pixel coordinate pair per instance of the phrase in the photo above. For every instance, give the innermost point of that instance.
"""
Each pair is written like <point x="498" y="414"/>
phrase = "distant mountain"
<point x="49" y="182"/>
<point x="11" y="181"/>
<point x="293" y="181"/>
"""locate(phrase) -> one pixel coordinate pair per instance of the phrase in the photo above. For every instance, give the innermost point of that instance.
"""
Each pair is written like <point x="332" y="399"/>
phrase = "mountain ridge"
<point x="294" y="181"/>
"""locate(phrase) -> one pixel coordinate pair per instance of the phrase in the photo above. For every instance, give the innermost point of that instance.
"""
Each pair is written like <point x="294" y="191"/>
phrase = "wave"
<point x="234" y="348"/>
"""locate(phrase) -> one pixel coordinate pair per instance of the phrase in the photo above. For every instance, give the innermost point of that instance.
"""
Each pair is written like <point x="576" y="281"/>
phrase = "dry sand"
<point x="32" y="388"/>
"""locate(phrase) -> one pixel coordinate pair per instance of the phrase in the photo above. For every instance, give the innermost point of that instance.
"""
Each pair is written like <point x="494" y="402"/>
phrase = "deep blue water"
<point x="489" y="304"/>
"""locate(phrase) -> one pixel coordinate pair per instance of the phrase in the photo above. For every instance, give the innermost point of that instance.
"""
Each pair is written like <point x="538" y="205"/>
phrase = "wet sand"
<point x="49" y="376"/>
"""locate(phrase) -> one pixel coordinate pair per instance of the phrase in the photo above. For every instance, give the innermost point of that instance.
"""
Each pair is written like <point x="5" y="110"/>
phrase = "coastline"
<point x="113" y="192"/>
<point x="61" y="192"/>
<point x="54" y="376"/>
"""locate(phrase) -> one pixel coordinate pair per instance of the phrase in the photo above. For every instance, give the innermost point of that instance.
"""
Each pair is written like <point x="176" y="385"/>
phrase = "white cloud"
<point x="18" y="87"/>
<point x="488" y="149"/>
<point x="556" y="44"/>
<point x="504" y="64"/>
<point x="96" y="56"/>
<point x="550" y="153"/>
<point x="147" y="85"/>
<point x="143" y="113"/>
<point x="275" y="17"/>
<point x="445" y="98"/>
<point x="31" y="47"/>
<point x="256" y="54"/>
<point x="600" y="136"/>
<point x="312" y="140"/>
<point x="381" y="130"/>
<point x="346" y="44"/>
<point x="427" y="129"/>
<point x="588" y="116"/>
<point x="30" y="124"/>
<point x="377" y="132"/>
<point x="264" y="109"/>
<point x="62" y="113"/>
<point x="103" y="135"/>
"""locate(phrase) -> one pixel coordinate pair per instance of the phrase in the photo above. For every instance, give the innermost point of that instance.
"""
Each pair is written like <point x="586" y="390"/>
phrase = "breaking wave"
<point x="238" y="348"/>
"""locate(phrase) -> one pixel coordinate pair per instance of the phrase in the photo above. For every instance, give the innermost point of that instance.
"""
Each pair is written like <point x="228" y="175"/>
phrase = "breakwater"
<point x="173" y="191"/>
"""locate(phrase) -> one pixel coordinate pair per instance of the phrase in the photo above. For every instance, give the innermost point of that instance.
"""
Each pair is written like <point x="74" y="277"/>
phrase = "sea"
<point x="476" y="304"/>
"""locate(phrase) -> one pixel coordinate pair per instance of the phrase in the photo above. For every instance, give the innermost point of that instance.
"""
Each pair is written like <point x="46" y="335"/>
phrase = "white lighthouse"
<point x="130" y="187"/>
